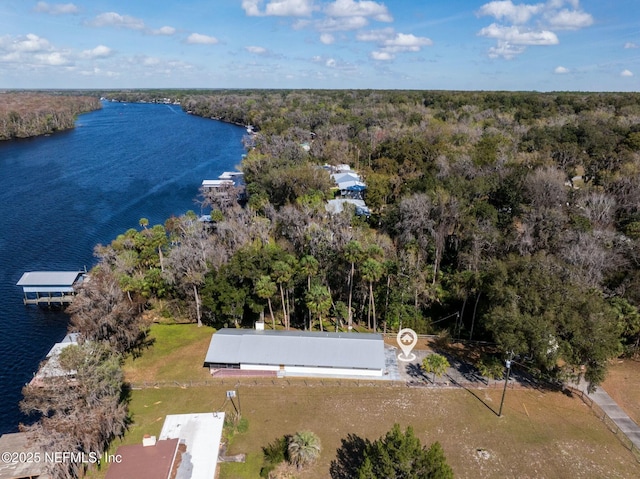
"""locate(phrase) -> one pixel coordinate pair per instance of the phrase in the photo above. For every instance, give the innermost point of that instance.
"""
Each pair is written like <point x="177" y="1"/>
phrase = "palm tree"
<point x="352" y="253"/>
<point x="318" y="301"/>
<point x="308" y="266"/>
<point x="144" y="222"/>
<point x="372" y="271"/>
<point x="266" y="289"/>
<point x="304" y="448"/>
<point x="282" y="274"/>
<point x="436" y="364"/>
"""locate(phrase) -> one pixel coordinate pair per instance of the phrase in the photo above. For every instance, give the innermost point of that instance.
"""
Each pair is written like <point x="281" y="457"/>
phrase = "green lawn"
<point x="541" y="434"/>
<point x="177" y="354"/>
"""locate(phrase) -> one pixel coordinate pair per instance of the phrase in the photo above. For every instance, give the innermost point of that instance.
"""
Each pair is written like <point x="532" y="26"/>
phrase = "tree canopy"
<point x="395" y="455"/>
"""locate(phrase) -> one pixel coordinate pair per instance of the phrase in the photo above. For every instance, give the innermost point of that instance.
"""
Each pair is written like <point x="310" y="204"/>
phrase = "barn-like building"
<point x="297" y="353"/>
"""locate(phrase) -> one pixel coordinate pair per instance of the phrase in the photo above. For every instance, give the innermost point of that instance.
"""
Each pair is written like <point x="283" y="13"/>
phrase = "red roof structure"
<point x="144" y="462"/>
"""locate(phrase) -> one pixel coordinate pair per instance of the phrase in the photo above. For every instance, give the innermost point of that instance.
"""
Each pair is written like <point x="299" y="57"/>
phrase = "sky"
<point x="553" y="45"/>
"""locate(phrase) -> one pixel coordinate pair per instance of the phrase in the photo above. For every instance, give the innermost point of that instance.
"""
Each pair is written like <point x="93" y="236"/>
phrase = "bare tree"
<point x="102" y="312"/>
<point x="599" y="208"/>
<point x="545" y="188"/>
<point x="187" y="264"/>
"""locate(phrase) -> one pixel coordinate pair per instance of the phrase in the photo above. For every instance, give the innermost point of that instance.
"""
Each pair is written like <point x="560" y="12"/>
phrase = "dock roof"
<point x="49" y="281"/>
<point x="297" y="348"/>
<point x="49" y="278"/>
<point x="217" y="183"/>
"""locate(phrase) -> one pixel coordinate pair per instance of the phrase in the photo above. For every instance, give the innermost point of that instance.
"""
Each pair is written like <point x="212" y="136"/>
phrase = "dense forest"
<point x="506" y="217"/>
<point x="26" y="114"/>
<point x="511" y="218"/>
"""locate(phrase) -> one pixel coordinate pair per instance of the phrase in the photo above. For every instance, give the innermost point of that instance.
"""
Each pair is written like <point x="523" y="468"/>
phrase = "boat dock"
<point x="50" y="287"/>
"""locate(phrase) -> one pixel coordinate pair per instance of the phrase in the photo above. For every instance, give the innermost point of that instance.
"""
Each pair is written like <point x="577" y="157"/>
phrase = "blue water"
<point x="61" y="195"/>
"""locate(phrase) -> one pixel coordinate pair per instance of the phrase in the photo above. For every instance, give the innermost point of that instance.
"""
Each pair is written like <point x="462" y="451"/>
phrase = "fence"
<point x="234" y="381"/>
<point x="252" y="381"/>
<point x="610" y="423"/>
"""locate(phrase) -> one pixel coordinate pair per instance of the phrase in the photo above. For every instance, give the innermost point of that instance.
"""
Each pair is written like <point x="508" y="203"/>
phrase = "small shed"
<point x="302" y="353"/>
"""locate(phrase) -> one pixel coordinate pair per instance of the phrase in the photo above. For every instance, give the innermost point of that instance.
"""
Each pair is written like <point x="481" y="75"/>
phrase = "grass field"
<point x="541" y="434"/>
<point x="177" y="354"/>
<point x="623" y="385"/>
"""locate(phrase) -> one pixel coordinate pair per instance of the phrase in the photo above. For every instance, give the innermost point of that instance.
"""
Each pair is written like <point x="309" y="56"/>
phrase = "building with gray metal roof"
<point x="297" y="352"/>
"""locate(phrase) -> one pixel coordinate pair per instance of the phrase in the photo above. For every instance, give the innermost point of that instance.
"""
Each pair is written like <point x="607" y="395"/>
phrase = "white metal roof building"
<point x="201" y="434"/>
<point x="298" y="352"/>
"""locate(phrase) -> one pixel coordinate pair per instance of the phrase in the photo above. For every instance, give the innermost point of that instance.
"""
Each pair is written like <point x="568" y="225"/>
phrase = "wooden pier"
<point x="50" y="287"/>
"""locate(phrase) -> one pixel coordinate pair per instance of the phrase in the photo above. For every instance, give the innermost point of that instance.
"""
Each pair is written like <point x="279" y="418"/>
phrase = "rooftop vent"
<point x="148" y="440"/>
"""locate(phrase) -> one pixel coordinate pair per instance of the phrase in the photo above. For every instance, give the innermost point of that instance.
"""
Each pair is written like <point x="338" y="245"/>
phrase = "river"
<point x="62" y="194"/>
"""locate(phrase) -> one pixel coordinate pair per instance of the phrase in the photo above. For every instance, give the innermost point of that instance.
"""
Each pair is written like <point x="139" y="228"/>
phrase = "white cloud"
<point x="56" y="8"/>
<point x="150" y="61"/>
<point x="331" y="63"/>
<point x="256" y="50"/>
<point x="389" y="43"/>
<point x="378" y="36"/>
<point x="113" y="19"/>
<point x="166" y="30"/>
<point x="251" y="7"/>
<point x="626" y="73"/>
<point x="52" y="58"/>
<point x="100" y="51"/>
<point x="278" y="8"/>
<point x="631" y="45"/>
<point x="200" y="39"/>
<point x="569" y="19"/>
<point x="506" y="10"/>
<point x="519" y="36"/>
<point x="382" y="56"/>
<point x="31" y="50"/>
<point x="30" y="43"/>
<point x="560" y="70"/>
<point x="530" y="24"/>
<point x="327" y="38"/>
<point x="340" y="24"/>
<point x="362" y="8"/>
<point x="406" y="42"/>
<point x="505" y="50"/>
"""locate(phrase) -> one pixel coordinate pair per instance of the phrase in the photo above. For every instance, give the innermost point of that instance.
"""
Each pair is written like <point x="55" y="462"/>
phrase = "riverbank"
<point x="31" y="114"/>
<point x="63" y="194"/>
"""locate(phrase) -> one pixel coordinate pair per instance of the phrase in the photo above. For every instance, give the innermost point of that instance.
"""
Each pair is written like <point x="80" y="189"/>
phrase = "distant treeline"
<point x="26" y="114"/>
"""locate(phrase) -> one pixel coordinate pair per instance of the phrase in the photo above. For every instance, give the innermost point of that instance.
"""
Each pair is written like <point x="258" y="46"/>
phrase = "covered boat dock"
<point x="50" y="287"/>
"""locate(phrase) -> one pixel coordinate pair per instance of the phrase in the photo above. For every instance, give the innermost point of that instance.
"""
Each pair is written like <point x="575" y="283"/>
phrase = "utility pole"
<point x="230" y="396"/>
<point x="506" y="381"/>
